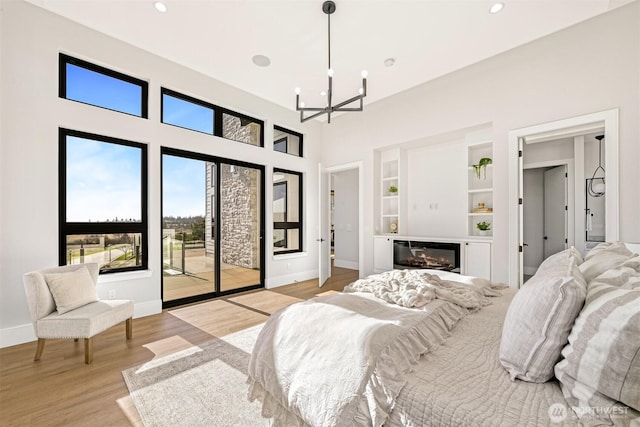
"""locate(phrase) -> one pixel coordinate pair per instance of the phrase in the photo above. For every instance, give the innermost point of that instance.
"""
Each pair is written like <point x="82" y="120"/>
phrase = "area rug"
<point x="201" y="386"/>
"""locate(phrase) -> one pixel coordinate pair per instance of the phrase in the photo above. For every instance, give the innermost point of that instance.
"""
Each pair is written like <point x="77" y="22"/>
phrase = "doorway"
<point x="345" y="219"/>
<point x="355" y="201"/>
<point x="545" y="214"/>
<point x="576" y="127"/>
<point x="212" y="227"/>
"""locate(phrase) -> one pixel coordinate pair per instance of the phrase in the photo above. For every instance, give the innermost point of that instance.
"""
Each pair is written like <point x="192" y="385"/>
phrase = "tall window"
<point x="95" y="85"/>
<point x="287" y="211"/>
<point x="103" y="201"/>
<point x="287" y="141"/>
<point x="194" y="114"/>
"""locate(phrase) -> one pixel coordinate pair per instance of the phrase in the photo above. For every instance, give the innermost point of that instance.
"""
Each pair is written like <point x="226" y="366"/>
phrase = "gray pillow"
<point x="539" y="320"/>
<point x="605" y="256"/>
<point x="560" y="256"/>
<point x="601" y="365"/>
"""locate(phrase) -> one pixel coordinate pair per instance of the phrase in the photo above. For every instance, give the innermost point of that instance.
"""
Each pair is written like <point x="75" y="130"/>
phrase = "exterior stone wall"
<point x="239" y="215"/>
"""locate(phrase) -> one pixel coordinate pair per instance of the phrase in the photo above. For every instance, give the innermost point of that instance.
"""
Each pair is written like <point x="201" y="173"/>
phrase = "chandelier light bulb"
<point x="323" y="93"/>
<point x="330" y="72"/>
<point x="297" y="91"/>
<point x="364" y="74"/>
<point x="302" y="105"/>
<point x="360" y="91"/>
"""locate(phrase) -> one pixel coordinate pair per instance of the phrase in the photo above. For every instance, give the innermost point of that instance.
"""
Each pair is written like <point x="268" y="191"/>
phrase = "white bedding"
<point x="307" y="371"/>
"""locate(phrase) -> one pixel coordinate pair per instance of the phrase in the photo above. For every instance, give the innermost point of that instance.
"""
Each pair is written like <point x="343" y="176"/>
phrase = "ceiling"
<point x="427" y="38"/>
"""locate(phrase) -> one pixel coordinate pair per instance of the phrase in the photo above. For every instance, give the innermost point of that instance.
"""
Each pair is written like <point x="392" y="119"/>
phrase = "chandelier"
<point x="329" y="7"/>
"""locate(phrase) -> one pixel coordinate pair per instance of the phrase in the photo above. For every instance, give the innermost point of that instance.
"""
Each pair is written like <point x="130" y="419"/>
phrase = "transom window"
<point x="103" y="201"/>
<point x="287" y="211"/>
<point x="287" y="141"/>
<point x="92" y="84"/>
<point x="191" y="113"/>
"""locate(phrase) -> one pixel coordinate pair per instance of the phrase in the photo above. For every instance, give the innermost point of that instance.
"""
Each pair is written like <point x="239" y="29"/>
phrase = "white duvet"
<point x="415" y="288"/>
<point x="341" y="359"/>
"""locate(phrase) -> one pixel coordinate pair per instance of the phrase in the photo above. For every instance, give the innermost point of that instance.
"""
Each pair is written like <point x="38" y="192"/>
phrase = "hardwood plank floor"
<point x="61" y="390"/>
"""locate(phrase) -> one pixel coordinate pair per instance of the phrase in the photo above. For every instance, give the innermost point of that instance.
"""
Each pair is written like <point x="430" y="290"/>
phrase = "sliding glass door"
<point x="212" y="226"/>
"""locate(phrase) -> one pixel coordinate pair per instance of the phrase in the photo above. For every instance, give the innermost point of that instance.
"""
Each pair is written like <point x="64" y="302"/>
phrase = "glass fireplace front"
<point x="426" y="255"/>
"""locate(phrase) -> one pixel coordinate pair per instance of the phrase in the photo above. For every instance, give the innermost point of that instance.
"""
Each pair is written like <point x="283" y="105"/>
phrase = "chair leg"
<point x="39" y="349"/>
<point x="129" y="326"/>
<point x="88" y="350"/>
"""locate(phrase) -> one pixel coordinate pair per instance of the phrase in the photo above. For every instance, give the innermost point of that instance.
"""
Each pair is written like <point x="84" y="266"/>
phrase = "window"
<point x="287" y="141"/>
<point x="103" y="201"/>
<point x="190" y="113"/>
<point x="91" y="84"/>
<point x="287" y="211"/>
<point x="186" y="112"/>
<point x="242" y="128"/>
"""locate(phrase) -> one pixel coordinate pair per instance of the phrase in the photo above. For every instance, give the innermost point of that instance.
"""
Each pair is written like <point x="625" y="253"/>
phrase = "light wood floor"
<point x="61" y="390"/>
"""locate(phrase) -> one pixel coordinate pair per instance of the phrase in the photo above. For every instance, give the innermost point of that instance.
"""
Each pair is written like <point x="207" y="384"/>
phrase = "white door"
<point x="324" y="229"/>
<point x="555" y="210"/>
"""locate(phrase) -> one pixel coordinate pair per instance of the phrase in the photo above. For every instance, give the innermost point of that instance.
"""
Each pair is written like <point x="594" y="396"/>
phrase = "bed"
<point x="451" y="370"/>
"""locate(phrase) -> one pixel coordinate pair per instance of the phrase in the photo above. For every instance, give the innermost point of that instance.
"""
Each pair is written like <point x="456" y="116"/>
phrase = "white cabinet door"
<point x="382" y="254"/>
<point x="477" y="259"/>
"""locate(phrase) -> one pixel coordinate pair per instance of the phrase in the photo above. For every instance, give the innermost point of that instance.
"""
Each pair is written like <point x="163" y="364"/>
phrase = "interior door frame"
<point x="359" y="165"/>
<point x="573" y="126"/>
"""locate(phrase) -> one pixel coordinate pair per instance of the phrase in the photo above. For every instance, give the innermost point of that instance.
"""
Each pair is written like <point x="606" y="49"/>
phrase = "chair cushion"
<point x="85" y="321"/>
<point x="539" y="320"/>
<point x="71" y="289"/>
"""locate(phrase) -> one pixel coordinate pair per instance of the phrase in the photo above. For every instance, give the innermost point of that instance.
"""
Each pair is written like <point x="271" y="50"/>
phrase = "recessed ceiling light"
<point x="160" y="7"/>
<point x="261" y="60"/>
<point x="389" y="62"/>
<point x="496" y="7"/>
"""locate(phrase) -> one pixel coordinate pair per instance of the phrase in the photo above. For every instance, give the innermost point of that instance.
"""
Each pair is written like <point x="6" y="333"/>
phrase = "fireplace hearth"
<point x="426" y="255"/>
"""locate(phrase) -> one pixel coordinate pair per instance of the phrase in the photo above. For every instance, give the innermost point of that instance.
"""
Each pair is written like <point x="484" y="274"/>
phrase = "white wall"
<point x="32" y="113"/>
<point x="437" y="190"/>
<point x="549" y="79"/>
<point x="345" y="219"/>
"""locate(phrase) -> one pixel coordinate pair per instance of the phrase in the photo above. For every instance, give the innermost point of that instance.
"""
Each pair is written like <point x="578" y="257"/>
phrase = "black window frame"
<point x="292" y="133"/>
<point x="74" y="228"/>
<point x="62" y="83"/>
<point x="218" y="113"/>
<point x="286" y="225"/>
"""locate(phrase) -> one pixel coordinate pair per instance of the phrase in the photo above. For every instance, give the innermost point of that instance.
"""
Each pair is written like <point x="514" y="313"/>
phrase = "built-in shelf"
<point x="479" y="189"/>
<point x="390" y="201"/>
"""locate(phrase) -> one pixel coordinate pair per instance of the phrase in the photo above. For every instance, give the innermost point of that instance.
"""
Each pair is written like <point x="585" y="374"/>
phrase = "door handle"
<point x="320" y="240"/>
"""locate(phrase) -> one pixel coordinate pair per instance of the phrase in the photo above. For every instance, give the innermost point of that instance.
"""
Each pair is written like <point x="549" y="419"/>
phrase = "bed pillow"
<point x="605" y="256"/>
<point x="539" y="320"/>
<point x="560" y="256"/>
<point x="601" y="365"/>
<point x="71" y="289"/>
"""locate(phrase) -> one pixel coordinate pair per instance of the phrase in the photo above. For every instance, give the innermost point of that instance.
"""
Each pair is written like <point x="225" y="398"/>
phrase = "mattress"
<point x="462" y="383"/>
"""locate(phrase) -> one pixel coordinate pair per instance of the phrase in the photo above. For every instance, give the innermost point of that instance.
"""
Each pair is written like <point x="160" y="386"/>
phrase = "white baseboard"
<point x="24" y="333"/>
<point x="530" y="271"/>
<point x="17" y="335"/>
<point x="287" y="279"/>
<point x="351" y="265"/>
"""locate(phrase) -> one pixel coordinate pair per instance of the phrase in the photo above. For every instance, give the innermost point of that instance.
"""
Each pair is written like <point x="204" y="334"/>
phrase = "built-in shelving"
<point x="390" y="200"/>
<point x="480" y="188"/>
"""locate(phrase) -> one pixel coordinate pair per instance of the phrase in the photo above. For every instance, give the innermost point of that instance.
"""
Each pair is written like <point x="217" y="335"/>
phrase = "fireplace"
<point x="423" y="255"/>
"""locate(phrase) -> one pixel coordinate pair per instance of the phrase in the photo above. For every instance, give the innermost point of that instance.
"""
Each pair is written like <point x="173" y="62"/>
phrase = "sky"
<point x="103" y="179"/>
